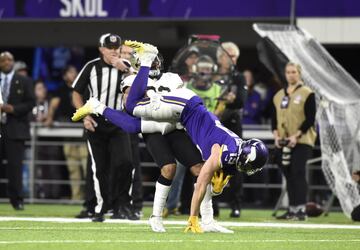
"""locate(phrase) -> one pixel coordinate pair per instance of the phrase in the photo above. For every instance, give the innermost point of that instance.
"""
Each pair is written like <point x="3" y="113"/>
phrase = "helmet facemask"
<point x="156" y="67"/>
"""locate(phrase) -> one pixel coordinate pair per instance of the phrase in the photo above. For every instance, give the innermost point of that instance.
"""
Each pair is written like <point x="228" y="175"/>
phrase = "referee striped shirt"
<point x="102" y="81"/>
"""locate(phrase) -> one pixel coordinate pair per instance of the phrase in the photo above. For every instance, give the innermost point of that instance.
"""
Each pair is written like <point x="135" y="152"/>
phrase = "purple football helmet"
<point x="252" y="157"/>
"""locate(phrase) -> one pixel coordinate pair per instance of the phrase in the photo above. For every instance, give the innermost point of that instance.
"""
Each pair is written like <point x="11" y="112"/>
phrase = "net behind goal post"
<point x="338" y="107"/>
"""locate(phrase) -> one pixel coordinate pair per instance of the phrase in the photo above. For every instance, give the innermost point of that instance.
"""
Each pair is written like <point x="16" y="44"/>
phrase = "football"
<point x="313" y="209"/>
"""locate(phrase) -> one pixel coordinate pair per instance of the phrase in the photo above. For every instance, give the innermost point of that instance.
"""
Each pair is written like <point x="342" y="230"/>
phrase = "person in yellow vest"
<point x="294" y="133"/>
<point x="202" y="82"/>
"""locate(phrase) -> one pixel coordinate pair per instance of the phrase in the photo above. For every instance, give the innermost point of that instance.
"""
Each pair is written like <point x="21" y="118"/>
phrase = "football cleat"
<point x="92" y="106"/>
<point x="135" y="45"/>
<point x="214" y="227"/>
<point x="288" y="215"/>
<point x="157" y="224"/>
<point x="235" y="213"/>
<point x="145" y="52"/>
<point x="141" y="48"/>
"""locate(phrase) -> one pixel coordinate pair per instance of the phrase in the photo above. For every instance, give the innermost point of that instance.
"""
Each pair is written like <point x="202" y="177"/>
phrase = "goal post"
<point x="338" y="103"/>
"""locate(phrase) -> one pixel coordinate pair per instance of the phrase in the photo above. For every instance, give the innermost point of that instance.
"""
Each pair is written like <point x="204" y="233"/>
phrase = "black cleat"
<point x="118" y="214"/>
<point x="125" y="212"/>
<point x="300" y="216"/>
<point x="138" y="213"/>
<point x="98" y="217"/>
<point x="84" y="214"/>
<point x="235" y="213"/>
<point x="130" y="215"/>
<point x="286" y="216"/>
<point x="19" y="206"/>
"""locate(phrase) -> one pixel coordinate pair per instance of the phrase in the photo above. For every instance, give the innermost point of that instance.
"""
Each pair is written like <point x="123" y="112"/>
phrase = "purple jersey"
<point x="206" y="130"/>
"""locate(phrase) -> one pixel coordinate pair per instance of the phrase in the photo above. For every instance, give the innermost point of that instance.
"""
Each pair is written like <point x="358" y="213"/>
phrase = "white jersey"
<point x="167" y="82"/>
<point x="170" y="81"/>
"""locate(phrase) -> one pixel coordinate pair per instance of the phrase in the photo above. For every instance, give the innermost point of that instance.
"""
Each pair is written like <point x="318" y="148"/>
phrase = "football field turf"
<point x="51" y="227"/>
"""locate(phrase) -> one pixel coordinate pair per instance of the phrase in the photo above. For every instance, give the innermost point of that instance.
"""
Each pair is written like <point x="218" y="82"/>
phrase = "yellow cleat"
<point x="139" y="47"/>
<point x="193" y="225"/>
<point x="92" y="106"/>
<point x="82" y="112"/>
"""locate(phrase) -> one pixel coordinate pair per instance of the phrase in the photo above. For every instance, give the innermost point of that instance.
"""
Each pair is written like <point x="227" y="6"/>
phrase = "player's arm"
<point x="207" y="171"/>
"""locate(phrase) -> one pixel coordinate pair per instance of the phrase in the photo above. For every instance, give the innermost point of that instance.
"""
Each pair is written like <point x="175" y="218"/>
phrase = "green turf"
<point x="79" y="236"/>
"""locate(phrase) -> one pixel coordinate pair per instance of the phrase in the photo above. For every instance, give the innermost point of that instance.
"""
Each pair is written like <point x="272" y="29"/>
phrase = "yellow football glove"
<point x="193" y="225"/>
<point x="218" y="182"/>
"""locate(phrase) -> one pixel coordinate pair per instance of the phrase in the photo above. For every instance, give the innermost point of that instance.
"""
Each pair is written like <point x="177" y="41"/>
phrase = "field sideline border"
<point x="4" y="242"/>
<point x="170" y="222"/>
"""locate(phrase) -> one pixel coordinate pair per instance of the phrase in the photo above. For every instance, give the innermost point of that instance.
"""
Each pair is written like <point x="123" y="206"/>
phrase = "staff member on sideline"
<point x="234" y="101"/>
<point x="294" y="133"/>
<point x="17" y="101"/>
<point x="109" y="147"/>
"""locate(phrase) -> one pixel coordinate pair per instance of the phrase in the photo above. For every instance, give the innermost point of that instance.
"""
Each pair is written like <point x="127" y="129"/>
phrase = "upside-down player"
<point x="220" y="148"/>
<point x="167" y="148"/>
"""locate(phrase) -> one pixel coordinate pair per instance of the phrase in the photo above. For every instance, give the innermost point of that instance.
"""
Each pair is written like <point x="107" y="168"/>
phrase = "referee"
<point x="109" y="147"/>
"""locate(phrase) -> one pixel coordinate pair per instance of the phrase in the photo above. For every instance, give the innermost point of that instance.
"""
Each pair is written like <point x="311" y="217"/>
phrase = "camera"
<point x="286" y="152"/>
<point x="286" y="156"/>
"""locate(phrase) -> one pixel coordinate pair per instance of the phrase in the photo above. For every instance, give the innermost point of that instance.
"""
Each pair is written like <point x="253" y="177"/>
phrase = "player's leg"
<point x="147" y="53"/>
<point x="163" y="107"/>
<point x="131" y="124"/>
<point x="163" y="156"/>
<point x="126" y="122"/>
<point x="186" y="152"/>
<point x="138" y="89"/>
<point x="175" y="191"/>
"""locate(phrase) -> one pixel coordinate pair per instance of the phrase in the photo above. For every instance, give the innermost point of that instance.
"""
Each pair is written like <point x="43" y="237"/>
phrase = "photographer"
<point x="294" y="133"/>
<point x="229" y="112"/>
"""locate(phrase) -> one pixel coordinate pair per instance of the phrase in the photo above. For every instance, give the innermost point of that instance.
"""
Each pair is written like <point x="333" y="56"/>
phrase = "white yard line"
<point x="74" y="228"/>
<point x="182" y="223"/>
<point x="175" y="241"/>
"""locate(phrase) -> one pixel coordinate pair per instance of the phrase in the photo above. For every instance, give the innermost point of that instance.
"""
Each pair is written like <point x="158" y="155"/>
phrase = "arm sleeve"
<point x="126" y="122"/>
<point x="138" y="89"/>
<point x="310" y="112"/>
<point x="83" y="79"/>
<point x="273" y="117"/>
<point x="28" y="103"/>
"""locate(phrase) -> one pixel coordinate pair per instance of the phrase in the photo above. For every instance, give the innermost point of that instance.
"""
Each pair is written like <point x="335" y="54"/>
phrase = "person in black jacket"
<point x="17" y="101"/>
<point x="230" y="114"/>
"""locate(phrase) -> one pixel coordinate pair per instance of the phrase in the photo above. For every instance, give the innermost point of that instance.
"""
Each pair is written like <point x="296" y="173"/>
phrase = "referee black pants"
<point x="136" y="188"/>
<point x="111" y="164"/>
<point x="295" y="174"/>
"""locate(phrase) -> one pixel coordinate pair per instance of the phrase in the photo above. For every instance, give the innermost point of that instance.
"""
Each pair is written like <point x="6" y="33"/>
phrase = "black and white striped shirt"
<point x="102" y="81"/>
